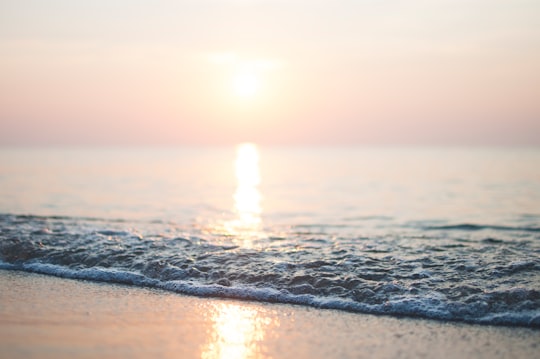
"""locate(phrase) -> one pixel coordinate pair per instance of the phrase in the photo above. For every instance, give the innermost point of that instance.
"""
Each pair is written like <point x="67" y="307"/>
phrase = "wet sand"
<point x="48" y="317"/>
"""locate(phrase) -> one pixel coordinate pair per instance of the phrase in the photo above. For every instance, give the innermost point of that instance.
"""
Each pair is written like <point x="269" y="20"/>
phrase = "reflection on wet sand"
<point x="237" y="332"/>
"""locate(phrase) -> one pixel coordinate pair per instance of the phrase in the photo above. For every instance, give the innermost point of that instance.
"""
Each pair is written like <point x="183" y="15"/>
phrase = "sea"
<point x="445" y="233"/>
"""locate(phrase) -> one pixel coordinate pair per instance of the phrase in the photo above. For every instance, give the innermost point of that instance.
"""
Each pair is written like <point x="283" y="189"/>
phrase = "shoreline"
<point x="53" y="317"/>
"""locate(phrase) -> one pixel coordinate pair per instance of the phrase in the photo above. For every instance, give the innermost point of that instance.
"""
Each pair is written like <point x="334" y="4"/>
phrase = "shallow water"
<point x="431" y="232"/>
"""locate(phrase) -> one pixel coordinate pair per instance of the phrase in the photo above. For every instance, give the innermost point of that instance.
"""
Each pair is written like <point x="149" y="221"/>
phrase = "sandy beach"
<point x="48" y="317"/>
<point x="242" y="179"/>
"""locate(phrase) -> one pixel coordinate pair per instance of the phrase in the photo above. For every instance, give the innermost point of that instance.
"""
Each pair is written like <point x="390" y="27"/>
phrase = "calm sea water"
<point x="441" y="233"/>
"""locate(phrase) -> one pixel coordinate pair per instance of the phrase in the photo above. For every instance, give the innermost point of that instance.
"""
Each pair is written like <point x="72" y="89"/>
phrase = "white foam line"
<point x="426" y="307"/>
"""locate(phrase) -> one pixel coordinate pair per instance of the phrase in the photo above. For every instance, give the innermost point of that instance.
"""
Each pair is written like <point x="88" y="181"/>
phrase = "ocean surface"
<point x="440" y="233"/>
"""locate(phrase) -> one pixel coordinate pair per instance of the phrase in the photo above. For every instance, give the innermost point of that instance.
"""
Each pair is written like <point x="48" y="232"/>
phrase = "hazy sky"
<point x="166" y="72"/>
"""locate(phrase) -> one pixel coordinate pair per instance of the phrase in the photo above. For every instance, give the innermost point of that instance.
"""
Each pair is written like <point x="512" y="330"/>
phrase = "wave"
<point x="478" y="227"/>
<point x="424" y="307"/>
<point x="488" y="281"/>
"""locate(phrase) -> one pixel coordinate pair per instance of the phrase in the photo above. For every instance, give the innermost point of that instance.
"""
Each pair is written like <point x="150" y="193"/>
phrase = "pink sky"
<point x="319" y="72"/>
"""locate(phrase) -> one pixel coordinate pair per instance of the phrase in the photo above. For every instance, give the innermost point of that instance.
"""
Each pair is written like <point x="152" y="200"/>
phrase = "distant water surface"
<point x="442" y="233"/>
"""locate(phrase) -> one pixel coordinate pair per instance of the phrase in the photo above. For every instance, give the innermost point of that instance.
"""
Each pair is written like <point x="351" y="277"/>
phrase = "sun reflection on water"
<point x="237" y="332"/>
<point x="247" y="197"/>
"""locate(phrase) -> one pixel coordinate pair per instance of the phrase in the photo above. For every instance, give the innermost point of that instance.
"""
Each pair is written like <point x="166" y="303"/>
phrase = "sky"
<point x="295" y="72"/>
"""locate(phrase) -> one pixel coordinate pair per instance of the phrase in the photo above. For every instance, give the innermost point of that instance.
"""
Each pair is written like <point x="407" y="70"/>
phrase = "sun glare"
<point x="245" y="78"/>
<point x="245" y="84"/>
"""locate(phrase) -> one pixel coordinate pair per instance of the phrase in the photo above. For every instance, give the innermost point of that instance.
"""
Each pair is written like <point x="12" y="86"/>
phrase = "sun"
<point x="246" y="84"/>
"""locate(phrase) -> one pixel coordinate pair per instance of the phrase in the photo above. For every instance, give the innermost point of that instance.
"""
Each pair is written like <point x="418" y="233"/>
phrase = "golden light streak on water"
<point x="247" y="198"/>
